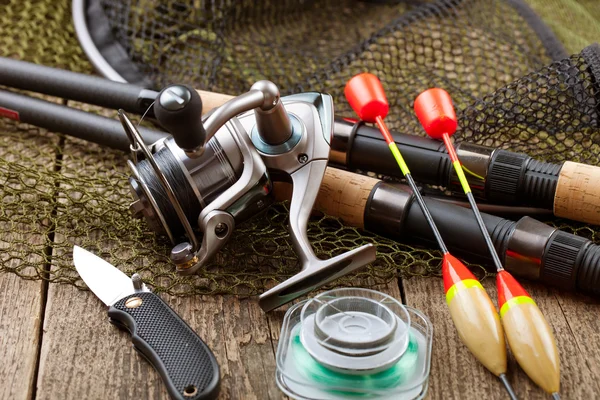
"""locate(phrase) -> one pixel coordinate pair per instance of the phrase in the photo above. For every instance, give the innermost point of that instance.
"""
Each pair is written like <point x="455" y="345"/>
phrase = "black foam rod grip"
<point x="74" y="86"/>
<point x="186" y="365"/>
<point x="58" y="118"/>
<point x="428" y="159"/>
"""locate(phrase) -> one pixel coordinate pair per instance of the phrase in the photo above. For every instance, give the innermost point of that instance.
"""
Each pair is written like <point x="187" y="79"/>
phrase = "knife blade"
<point x="186" y="365"/>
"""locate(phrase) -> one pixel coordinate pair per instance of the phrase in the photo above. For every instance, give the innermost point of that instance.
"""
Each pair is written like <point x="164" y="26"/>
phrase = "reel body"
<point x="215" y="173"/>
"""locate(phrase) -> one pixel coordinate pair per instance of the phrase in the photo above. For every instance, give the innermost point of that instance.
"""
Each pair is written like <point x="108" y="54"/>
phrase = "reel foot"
<point x="316" y="273"/>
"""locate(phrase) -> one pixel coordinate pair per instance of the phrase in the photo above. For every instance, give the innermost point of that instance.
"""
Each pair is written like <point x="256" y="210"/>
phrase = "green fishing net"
<point x="57" y="191"/>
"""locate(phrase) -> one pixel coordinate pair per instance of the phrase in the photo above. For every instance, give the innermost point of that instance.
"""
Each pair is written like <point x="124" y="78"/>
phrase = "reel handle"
<point x="178" y="108"/>
<point x="315" y="272"/>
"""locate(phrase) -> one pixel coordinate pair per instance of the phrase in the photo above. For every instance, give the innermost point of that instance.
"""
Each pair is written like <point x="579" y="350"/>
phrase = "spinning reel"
<point x="215" y="172"/>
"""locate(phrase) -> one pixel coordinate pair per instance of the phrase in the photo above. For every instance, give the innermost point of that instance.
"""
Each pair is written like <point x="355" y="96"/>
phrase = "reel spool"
<point x="349" y="343"/>
<point x="215" y="172"/>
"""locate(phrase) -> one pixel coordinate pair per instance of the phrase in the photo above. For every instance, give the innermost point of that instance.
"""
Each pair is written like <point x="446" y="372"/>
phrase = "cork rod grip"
<point x="578" y="193"/>
<point x="212" y="100"/>
<point x="342" y="194"/>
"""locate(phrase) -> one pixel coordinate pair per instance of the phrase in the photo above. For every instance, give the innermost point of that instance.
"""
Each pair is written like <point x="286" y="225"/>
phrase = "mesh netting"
<point x="56" y="191"/>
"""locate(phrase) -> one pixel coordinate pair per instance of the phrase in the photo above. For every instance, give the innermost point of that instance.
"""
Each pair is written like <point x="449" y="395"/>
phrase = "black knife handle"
<point x="185" y="363"/>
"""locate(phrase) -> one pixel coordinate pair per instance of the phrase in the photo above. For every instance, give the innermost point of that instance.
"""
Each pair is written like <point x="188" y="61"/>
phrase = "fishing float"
<point x="529" y="335"/>
<point x="473" y="313"/>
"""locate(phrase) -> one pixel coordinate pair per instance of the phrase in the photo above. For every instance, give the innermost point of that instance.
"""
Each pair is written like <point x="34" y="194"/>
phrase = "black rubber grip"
<point x="588" y="273"/>
<point x="58" y="118"/>
<point x="572" y="263"/>
<point x="515" y="178"/>
<point x="456" y="224"/>
<point x="512" y="178"/>
<point x="505" y="173"/>
<point x="539" y="184"/>
<point x="561" y="260"/>
<point x="568" y="261"/>
<point x="185" y="363"/>
<point x="426" y="158"/>
<point x="74" y="86"/>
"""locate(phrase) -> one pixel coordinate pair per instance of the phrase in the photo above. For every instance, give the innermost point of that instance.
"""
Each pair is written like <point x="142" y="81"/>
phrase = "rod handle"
<point x="211" y="100"/>
<point x="342" y="194"/>
<point x="74" y="86"/>
<point x="577" y="193"/>
<point x="70" y="121"/>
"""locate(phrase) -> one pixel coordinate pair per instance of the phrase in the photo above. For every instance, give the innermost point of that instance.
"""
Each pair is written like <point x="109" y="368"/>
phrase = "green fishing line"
<point x="389" y="378"/>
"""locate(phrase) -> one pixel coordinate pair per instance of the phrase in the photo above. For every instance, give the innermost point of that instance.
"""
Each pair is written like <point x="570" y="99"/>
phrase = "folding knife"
<point x="185" y="363"/>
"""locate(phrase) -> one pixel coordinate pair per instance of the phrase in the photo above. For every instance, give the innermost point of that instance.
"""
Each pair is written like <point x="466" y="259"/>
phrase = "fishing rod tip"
<point x="507" y="386"/>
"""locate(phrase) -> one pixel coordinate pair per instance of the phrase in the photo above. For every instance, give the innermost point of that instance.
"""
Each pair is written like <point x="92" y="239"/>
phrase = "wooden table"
<point x="56" y="342"/>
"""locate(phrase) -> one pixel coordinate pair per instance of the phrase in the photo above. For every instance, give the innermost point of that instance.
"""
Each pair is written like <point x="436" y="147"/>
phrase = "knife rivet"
<point x="190" y="391"/>
<point x="137" y="282"/>
<point x="133" y="302"/>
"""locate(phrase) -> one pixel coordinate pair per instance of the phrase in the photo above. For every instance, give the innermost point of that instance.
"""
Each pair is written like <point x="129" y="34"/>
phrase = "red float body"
<point x="436" y="113"/>
<point x="454" y="271"/>
<point x="508" y="288"/>
<point x="366" y="96"/>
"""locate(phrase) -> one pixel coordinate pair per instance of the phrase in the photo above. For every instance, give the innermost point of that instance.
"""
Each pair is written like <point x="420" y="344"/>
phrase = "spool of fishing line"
<point x="354" y="343"/>
<point x="195" y="182"/>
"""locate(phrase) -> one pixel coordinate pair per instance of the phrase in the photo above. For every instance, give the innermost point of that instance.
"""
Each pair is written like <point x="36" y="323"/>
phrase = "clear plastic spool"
<point x="354" y="342"/>
<point x="355" y="330"/>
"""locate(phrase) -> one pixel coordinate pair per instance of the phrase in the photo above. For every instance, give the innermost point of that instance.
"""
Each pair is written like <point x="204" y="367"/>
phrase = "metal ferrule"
<point x="343" y="132"/>
<point x="386" y="209"/>
<point x="526" y="247"/>
<point x="475" y="160"/>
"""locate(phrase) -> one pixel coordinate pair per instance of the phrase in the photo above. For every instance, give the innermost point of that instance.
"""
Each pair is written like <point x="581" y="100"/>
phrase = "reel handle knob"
<point x="366" y="96"/>
<point x="178" y="108"/>
<point x="436" y="113"/>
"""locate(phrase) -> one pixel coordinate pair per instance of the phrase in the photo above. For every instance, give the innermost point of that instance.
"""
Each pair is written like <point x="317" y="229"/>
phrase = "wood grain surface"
<point x="79" y="354"/>
<point x="455" y="374"/>
<point x="22" y="301"/>
<point x="21" y="307"/>
<point x="84" y="356"/>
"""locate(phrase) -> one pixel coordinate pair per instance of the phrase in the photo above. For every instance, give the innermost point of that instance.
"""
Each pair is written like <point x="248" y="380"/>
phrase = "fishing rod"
<point x="528" y="248"/>
<point x="498" y="176"/>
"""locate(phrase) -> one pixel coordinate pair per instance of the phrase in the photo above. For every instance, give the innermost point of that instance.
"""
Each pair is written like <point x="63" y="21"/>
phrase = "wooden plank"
<point x="100" y="363"/>
<point x="84" y="356"/>
<point x="20" y="323"/>
<point x="455" y="373"/>
<point x="22" y="301"/>
<point x="582" y="377"/>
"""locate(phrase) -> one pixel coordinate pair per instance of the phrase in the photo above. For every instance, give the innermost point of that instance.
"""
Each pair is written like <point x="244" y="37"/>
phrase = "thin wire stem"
<point x="484" y="231"/>
<point x="428" y="217"/>
<point x="507" y="386"/>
